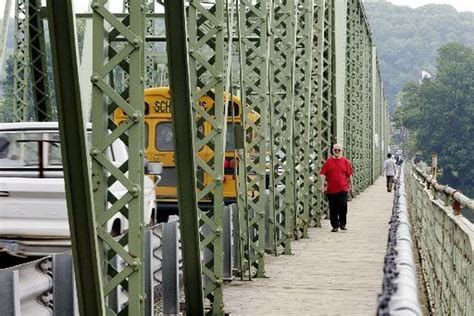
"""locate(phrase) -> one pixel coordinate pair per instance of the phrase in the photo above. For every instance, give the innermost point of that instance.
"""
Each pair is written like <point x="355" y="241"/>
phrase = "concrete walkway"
<point x="329" y="273"/>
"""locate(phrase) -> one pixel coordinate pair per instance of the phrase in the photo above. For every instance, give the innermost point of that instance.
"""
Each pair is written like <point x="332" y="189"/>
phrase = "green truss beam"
<point x="73" y="149"/>
<point x="302" y="109"/>
<point x="253" y="41"/>
<point x="39" y="69"/>
<point x="282" y="61"/>
<point x="30" y="70"/>
<point x="106" y="98"/>
<point x="320" y="109"/>
<point x="175" y="18"/>
<point x="206" y="61"/>
<point x="21" y="62"/>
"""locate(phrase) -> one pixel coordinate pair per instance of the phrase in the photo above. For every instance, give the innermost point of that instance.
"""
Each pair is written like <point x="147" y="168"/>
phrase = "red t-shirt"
<point x="337" y="172"/>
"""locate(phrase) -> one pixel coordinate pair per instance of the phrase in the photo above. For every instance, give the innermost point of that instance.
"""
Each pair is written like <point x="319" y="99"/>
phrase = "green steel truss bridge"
<point x="308" y="69"/>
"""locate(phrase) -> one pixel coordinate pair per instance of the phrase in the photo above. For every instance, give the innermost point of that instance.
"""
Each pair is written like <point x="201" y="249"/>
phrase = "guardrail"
<point x="445" y="241"/>
<point x="46" y="286"/>
<point x="400" y="292"/>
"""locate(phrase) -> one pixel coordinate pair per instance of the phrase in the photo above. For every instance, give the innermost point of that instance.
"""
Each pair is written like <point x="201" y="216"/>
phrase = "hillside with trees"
<point x="439" y="113"/>
<point x="407" y="39"/>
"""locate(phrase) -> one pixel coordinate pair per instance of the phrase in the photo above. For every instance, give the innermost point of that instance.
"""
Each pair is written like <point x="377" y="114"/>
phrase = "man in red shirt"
<point x="336" y="182"/>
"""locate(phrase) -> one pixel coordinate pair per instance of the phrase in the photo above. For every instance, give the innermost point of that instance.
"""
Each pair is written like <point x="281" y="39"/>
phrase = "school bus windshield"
<point x="164" y="137"/>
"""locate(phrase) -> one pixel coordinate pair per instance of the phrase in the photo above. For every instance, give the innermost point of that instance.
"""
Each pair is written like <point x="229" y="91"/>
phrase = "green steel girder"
<point x="4" y="30"/>
<point x="106" y="98"/>
<point x="351" y="110"/>
<point x="321" y="108"/>
<point x="357" y="107"/>
<point x="253" y="41"/>
<point x="30" y="70"/>
<point x="181" y="108"/>
<point x="39" y="69"/>
<point x="74" y="159"/>
<point x="21" y="67"/>
<point x="282" y="61"/>
<point x="325" y="131"/>
<point x="362" y="96"/>
<point x="302" y="110"/>
<point x="155" y="58"/>
<point x="206" y="60"/>
<point x="150" y="47"/>
<point x="376" y="117"/>
<point x="368" y="108"/>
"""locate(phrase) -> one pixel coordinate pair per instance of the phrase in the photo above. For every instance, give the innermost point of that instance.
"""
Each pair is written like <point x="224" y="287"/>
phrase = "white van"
<point x="33" y="212"/>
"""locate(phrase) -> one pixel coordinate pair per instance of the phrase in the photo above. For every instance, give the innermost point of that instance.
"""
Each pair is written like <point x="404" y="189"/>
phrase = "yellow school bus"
<point x="160" y="147"/>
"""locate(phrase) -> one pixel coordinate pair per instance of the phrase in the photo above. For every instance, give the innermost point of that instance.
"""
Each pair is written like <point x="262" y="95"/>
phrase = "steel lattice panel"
<point x="281" y="113"/>
<point x="321" y="108"/>
<point x="106" y="98"/>
<point x="21" y="68"/>
<point x="254" y="59"/>
<point x="302" y="109"/>
<point x="206" y="60"/>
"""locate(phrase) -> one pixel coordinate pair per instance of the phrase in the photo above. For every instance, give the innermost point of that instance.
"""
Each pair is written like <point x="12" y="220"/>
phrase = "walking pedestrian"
<point x="336" y="183"/>
<point x="390" y="170"/>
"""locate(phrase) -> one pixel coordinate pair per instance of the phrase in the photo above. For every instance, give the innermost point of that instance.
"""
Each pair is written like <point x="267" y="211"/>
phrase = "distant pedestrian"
<point x="390" y="170"/>
<point x="336" y="182"/>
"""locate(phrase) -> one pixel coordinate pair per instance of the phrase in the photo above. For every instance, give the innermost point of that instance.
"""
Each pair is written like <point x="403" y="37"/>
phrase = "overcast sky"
<point x="460" y="5"/>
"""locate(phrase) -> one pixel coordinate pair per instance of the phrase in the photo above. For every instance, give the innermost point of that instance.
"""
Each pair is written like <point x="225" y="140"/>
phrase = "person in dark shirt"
<point x="336" y="183"/>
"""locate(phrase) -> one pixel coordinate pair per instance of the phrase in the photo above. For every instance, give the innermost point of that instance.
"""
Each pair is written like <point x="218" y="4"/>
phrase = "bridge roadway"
<point x="330" y="273"/>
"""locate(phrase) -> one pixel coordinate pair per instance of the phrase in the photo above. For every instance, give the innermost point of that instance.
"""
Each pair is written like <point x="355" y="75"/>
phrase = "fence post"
<point x="228" y="231"/>
<point x="63" y="285"/>
<point x="9" y="296"/>
<point x="148" y="272"/>
<point x="434" y="165"/>
<point x="170" y="276"/>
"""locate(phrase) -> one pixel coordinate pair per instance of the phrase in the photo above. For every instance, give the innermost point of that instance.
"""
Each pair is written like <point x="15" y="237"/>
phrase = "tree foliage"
<point x="407" y="39"/>
<point x="441" y="113"/>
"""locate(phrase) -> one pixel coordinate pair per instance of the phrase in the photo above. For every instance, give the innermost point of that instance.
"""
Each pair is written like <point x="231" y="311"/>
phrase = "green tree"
<point x="440" y="112"/>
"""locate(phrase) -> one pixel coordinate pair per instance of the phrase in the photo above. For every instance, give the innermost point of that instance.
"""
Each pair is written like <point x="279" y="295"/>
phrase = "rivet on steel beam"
<point x="95" y="78"/>
<point x="136" y="116"/>
<point x="135" y="191"/>
<point x="94" y="152"/>
<point x="135" y="264"/>
<point x="136" y="42"/>
<point x="95" y="5"/>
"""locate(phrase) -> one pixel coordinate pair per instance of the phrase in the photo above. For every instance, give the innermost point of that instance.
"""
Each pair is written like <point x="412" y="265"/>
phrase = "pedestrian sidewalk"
<point x="329" y="273"/>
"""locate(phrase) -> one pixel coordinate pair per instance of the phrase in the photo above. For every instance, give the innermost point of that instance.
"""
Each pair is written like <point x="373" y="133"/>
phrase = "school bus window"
<point x="233" y="109"/>
<point x="164" y="136"/>
<point x="146" y="134"/>
<point x="229" y="138"/>
<point x="147" y="109"/>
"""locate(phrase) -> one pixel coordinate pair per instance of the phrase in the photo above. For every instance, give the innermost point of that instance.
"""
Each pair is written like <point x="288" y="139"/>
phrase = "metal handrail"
<point x="452" y="197"/>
